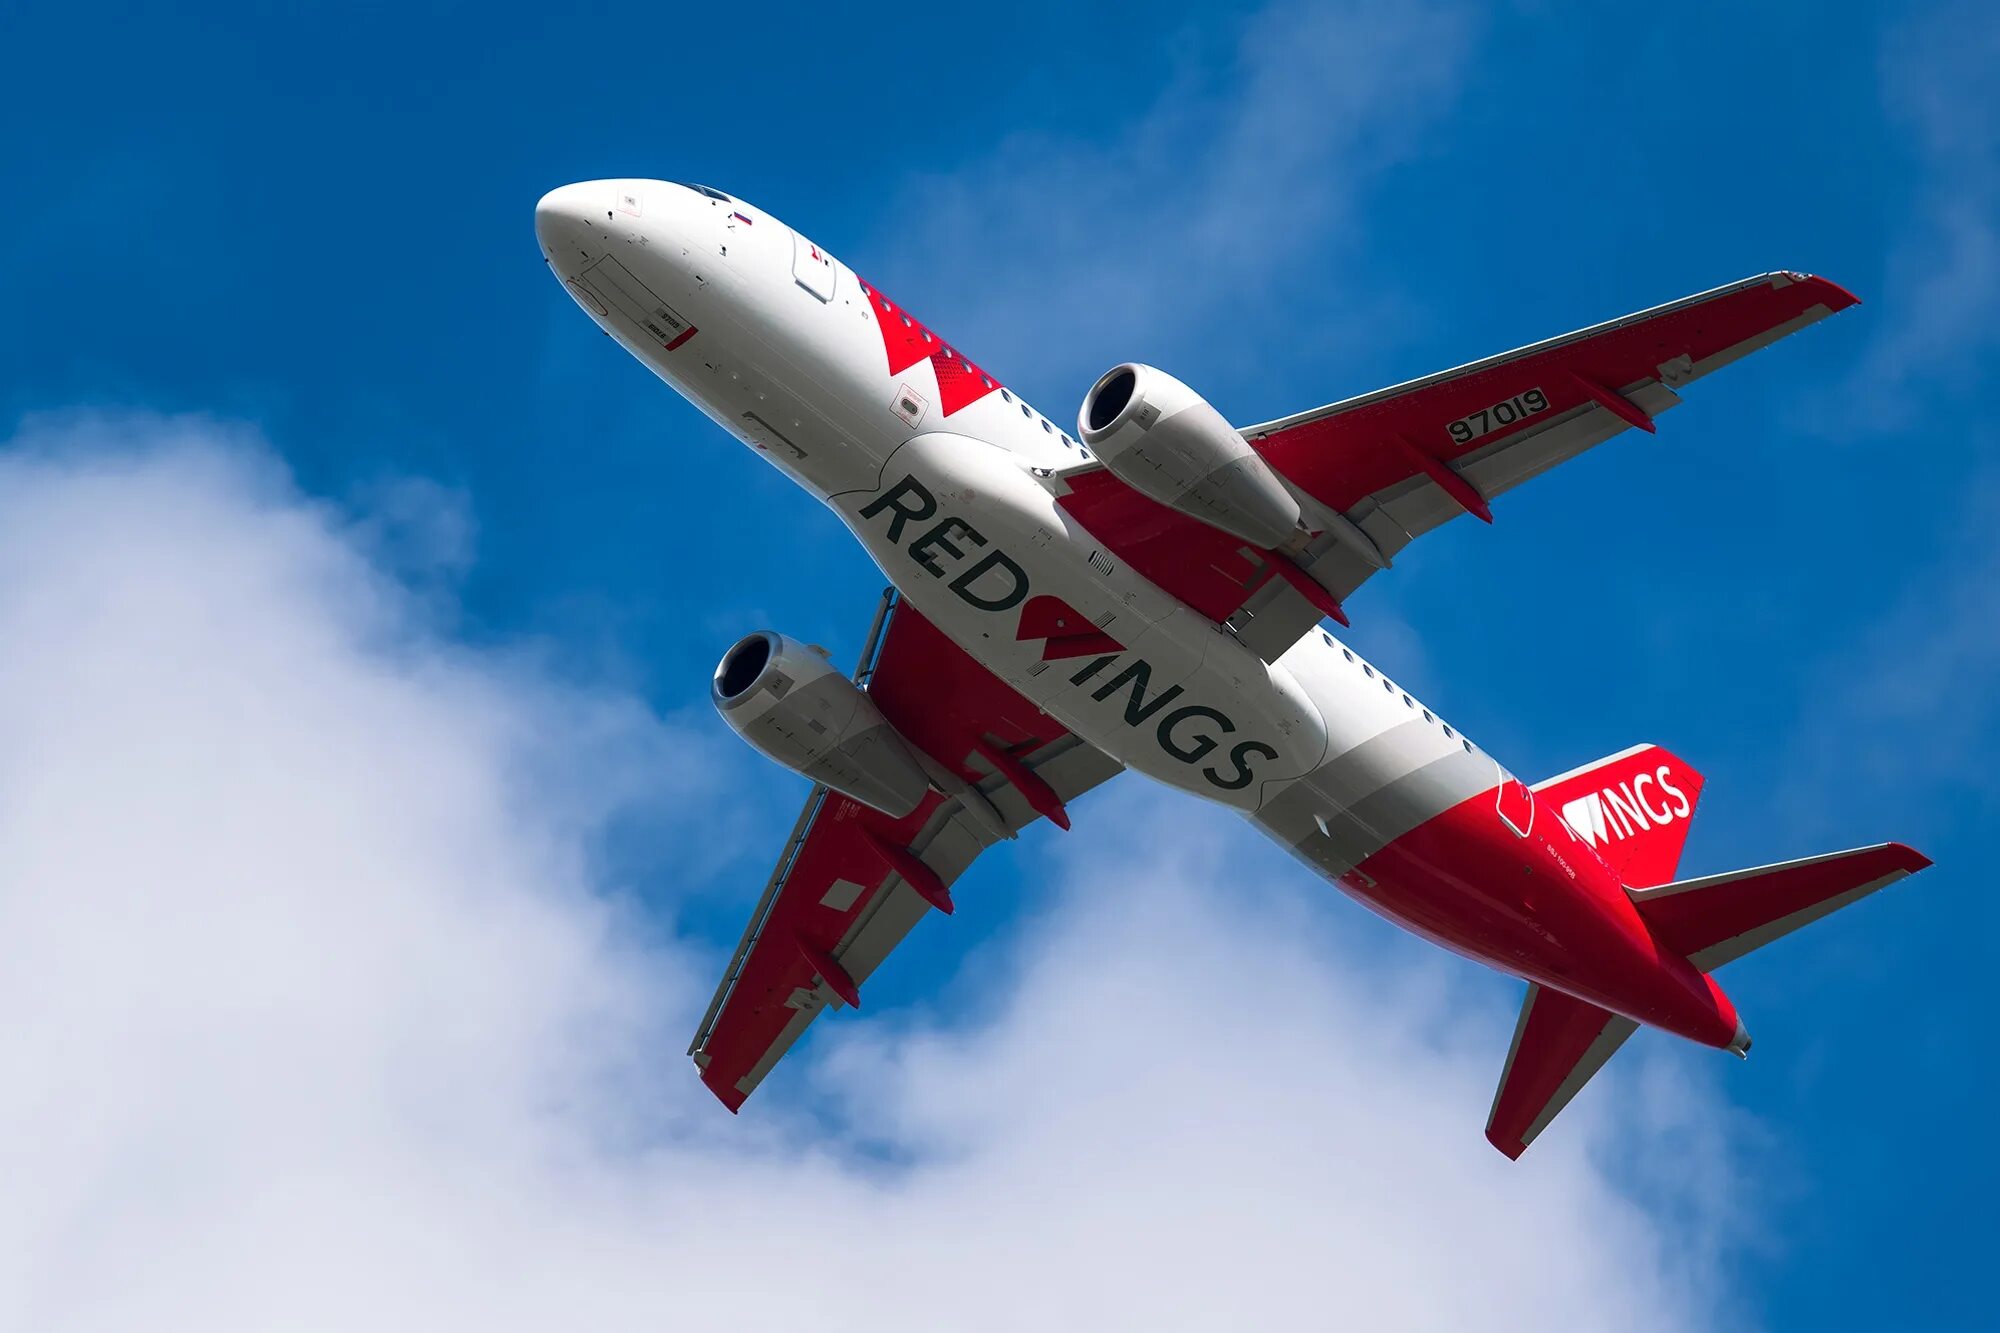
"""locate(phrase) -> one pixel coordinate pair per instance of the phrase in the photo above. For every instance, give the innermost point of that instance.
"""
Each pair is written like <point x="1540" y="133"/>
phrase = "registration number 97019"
<point x="1489" y="419"/>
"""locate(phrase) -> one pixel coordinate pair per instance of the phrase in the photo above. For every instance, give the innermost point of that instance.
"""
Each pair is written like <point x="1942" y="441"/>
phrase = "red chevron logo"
<point x="1064" y="630"/>
<point x="907" y="342"/>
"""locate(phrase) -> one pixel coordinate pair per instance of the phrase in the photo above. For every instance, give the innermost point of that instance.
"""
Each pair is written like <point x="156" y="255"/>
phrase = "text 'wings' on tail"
<point x="1633" y="807"/>
<point x="1718" y="918"/>
<point x="1558" y="1044"/>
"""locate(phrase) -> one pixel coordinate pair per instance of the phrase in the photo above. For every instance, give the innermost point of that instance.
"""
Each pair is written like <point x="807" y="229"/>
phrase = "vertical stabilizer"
<point x="1634" y="808"/>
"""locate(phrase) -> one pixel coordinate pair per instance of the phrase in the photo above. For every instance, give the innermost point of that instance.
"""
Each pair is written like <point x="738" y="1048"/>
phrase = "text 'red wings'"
<point x="1398" y="462"/>
<point x="851" y="881"/>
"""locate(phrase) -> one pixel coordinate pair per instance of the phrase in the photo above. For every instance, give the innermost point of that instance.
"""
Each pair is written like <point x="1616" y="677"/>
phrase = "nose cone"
<point x="569" y="212"/>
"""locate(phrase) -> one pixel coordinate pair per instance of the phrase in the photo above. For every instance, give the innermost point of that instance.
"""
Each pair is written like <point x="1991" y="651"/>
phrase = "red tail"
<point x="1633" y="807"/>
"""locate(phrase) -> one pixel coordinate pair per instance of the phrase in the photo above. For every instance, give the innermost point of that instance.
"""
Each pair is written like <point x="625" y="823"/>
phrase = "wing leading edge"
<point x="851" y="882"/>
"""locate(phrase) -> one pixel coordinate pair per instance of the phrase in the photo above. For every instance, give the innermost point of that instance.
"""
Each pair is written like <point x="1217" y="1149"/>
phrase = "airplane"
<point x="1152" y="593"/>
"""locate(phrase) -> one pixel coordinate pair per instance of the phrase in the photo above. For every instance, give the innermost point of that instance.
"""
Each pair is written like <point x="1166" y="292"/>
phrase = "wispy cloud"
<point x="1238" y="170"/>
<point x="1907" y="706"/>
<point x="322" y="1014"/>
<point x="1939" y="331"/>
<point x="1907" y="709"/>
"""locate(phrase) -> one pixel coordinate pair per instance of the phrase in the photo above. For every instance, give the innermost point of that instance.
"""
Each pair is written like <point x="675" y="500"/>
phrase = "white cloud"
<point x="320" y="1014"/>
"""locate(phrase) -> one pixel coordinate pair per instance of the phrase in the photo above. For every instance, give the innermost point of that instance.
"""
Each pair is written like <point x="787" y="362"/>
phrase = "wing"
<point x="1378" y="471"/>
<point x="851" y="881"/>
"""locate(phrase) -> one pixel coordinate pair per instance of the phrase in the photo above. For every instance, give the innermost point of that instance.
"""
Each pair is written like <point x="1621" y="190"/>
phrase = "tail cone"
<point x="1739" y="1045"/>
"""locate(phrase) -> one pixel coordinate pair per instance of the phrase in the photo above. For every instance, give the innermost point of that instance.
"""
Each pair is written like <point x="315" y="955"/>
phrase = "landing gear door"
<point x="812" y="267"/>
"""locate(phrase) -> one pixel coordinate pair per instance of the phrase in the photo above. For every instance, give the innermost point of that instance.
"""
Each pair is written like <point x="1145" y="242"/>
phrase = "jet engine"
<point x="1162" y="439"/>
<point x="789" y="702"/>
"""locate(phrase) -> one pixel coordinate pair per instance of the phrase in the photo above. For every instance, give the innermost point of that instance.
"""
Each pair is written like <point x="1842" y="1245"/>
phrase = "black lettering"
<point x="891" y="499"/>
<point x="1091" y="668"/>
<point x="1137" y="710"/>
<point x="1202" y="744"/>
<point x="962" y="585"/>
<point x="1240" y="758"/>
<point x="940" y="536"/>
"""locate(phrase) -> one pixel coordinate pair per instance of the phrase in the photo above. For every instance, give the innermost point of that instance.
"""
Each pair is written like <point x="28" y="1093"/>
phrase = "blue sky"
<point x="309" y="233"/>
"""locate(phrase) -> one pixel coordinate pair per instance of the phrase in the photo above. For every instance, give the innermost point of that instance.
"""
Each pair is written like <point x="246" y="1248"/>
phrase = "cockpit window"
<point x="710" y="191"/>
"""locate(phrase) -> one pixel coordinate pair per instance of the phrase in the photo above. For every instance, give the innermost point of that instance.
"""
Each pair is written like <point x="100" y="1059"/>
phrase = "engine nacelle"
<point x="1162" y="439"/>
<point x="790" y="703"/>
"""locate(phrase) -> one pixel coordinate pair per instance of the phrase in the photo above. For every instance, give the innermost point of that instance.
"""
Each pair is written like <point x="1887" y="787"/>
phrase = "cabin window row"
<point x="1390" y="686"/>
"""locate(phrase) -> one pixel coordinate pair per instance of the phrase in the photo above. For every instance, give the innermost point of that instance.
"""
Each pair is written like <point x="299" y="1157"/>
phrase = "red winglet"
<point x="1307" y="586"/>
<point x="1457" y="487"/>
<point x="832" y="973"/>
<point x="1041" y="797"/>
<point x="1616" y="403"/>
<point x="915" y="873"/>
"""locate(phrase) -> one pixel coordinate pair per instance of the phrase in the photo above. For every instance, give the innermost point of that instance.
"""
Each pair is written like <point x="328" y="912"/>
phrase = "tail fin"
<point x="1633" y="807"/>
<point x="1558" y="1044"/>
<point x="1718" y="918"/>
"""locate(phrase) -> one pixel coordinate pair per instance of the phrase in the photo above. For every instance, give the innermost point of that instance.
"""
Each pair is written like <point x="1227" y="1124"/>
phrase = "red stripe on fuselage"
<point x="907" y="341"/>
<point x="1542" y="907"/>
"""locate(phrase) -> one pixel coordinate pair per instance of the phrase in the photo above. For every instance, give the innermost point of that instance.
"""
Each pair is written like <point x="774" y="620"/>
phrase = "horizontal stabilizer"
<point x="1718" y="918"/>
<point x="1558" y="1044"/>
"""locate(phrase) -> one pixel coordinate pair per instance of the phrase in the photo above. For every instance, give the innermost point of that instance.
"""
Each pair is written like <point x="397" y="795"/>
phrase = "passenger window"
<point x="1347" y="653"/>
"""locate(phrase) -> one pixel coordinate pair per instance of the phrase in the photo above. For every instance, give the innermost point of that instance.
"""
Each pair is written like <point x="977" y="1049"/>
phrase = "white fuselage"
<point x="945" y="477"/>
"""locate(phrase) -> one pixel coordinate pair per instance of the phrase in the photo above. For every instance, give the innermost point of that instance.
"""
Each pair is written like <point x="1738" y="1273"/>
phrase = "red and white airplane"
<point x="1150" y="595"/>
